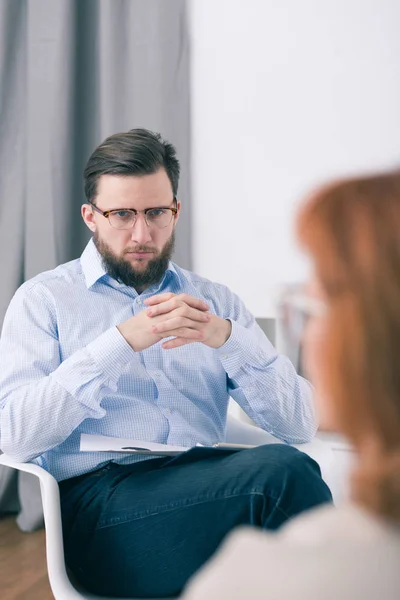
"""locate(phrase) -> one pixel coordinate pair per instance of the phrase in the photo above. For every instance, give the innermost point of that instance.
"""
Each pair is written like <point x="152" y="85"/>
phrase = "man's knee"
<point x="280" y="457"/>
<point x="278" y="465"/>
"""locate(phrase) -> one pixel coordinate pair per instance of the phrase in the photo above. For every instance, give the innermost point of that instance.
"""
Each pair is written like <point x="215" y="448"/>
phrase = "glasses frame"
<point x="298" y="299"/>
<point x="295" y="308"/>
<point x="106" y="213"/>
<point x="296" y="303"/>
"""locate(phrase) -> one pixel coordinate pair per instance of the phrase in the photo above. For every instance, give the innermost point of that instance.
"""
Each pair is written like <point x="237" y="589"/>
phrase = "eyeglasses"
<point x="125" y="218"/>
<point x="295" y="309"/>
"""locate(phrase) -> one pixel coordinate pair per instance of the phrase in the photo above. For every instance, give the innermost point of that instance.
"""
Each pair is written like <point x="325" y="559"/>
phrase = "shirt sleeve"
<point x="36" y="386"/>
<point x="264" y="383"/>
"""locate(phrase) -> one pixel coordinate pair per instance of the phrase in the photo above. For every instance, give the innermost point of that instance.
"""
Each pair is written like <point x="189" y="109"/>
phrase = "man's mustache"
<point x="140" y="249"/>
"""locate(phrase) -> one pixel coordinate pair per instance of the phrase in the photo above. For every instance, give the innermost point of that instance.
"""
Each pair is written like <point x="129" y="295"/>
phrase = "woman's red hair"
<point x="352" y="230"/>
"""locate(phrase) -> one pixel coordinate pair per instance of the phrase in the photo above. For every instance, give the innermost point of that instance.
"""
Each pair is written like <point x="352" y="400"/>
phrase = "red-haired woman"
<point x="351" y="230"/>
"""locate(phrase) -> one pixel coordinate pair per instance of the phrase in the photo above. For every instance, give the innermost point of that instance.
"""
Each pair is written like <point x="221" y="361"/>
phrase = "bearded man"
<point x="122" y="342"/>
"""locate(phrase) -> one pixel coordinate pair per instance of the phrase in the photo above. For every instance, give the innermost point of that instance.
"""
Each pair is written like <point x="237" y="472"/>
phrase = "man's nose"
<point x="140" y="231"/>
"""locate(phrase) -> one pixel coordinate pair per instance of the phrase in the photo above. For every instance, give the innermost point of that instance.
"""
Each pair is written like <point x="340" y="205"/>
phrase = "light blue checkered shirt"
<point x="66" y="370"/>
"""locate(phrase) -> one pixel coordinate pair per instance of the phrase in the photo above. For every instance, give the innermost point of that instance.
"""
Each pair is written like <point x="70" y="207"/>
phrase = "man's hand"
<point x="185" y="318"/>
<point x="139" y="330"/>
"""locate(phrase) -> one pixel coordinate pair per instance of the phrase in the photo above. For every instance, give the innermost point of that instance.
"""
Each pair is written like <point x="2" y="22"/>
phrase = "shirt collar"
<point x="93" y="269"/>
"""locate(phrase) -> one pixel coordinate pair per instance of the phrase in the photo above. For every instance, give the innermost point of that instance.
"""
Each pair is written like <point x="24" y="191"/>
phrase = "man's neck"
<point x="141" y="289"/>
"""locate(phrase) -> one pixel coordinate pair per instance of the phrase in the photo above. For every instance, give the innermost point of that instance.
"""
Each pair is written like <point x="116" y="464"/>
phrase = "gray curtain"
<point x="73" y="72"/>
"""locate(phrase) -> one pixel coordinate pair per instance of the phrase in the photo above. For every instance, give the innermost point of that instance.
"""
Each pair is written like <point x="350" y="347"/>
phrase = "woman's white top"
<point x="325" y="554"/>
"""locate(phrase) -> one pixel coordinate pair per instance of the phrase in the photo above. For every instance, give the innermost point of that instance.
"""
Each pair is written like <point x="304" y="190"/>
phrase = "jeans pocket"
<point x="101" y="471"/>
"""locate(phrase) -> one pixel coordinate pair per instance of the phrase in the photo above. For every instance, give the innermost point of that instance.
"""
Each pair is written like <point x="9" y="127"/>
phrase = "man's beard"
<point x="121" y="269"/>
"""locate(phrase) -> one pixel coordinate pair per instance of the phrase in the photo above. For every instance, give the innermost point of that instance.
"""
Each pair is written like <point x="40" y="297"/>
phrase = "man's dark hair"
<point x="136" y="152"/>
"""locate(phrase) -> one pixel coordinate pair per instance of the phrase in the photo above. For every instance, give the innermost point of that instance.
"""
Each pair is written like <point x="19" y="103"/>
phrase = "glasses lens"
<point x="122" y="219"/>
<point x="159" y="217"/>
<point x="295" y="322"/>
<point x="293" y="318"/>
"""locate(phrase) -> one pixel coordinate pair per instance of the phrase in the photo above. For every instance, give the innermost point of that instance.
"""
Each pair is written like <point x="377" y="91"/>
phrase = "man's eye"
<point x="122" y="214"/>
<point x="156" y="212"/>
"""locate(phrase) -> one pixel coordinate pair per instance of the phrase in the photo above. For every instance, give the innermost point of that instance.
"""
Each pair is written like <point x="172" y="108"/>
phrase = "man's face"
<point x="137" y="256"/>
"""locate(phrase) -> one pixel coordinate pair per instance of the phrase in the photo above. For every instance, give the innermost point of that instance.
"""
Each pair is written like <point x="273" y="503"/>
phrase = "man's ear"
<point x="88" y="217"/>
<point x="176" y="217"/>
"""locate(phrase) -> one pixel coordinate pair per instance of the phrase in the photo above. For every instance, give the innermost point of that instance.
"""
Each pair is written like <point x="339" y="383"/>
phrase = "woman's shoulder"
<point x="324" y="527"/>
<point x="326" y="553"/>
<point x="327" y="524"/>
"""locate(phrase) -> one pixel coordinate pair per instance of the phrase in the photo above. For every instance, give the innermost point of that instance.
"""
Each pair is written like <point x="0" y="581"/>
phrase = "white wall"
<point x="284" y="94"/>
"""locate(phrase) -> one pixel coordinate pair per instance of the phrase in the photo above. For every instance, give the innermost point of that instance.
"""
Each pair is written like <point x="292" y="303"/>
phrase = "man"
<point x="124" y="343"/>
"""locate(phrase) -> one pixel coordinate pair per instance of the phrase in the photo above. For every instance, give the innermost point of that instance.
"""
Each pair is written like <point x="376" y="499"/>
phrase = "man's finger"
<point x="187" y="333"/>
<point x="175" y="343"/>
<point x="158" y="298"/>
<point x="175" y="323"/>
<point x="194" y="302"/>
<point x="181" y="298"/>
<point x="164" y="307"/>
<point x="182" y="310"/>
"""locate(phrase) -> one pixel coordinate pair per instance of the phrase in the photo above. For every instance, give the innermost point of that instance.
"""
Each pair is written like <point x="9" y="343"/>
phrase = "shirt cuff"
<point x="243" y="347"/>
<point x="111" y="352"/>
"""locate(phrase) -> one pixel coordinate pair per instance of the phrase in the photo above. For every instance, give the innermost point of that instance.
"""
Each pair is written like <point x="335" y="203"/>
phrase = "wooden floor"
<point x="23" y="574"/>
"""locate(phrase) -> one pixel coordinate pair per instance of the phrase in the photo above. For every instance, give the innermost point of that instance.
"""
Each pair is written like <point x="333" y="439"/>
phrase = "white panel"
<point x="284" y="95"/>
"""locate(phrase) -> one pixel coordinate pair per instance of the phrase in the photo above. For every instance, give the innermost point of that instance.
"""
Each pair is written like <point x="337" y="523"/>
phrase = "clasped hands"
<point x="183" y="317"/>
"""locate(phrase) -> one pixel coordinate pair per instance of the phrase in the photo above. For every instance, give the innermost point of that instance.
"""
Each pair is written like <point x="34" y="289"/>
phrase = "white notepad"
<point x="102" y="443"/>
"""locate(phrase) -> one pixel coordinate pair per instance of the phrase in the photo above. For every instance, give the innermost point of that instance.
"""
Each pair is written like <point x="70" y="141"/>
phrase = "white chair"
<point x="62" y="586"/>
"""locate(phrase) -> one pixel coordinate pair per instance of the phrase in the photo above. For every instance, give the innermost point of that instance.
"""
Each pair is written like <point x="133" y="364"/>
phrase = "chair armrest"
<point x="59" y="581"/>
<point x="43" y="475"/>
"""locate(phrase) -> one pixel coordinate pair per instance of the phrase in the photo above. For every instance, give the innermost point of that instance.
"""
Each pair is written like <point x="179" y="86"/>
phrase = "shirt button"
<point x="168" y="411"/>
<point x="224" y="356"/>
<point x="138" y="301"/>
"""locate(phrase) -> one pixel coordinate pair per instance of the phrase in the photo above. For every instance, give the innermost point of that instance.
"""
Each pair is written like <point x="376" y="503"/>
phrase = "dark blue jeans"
<point x="142" y="530"/>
